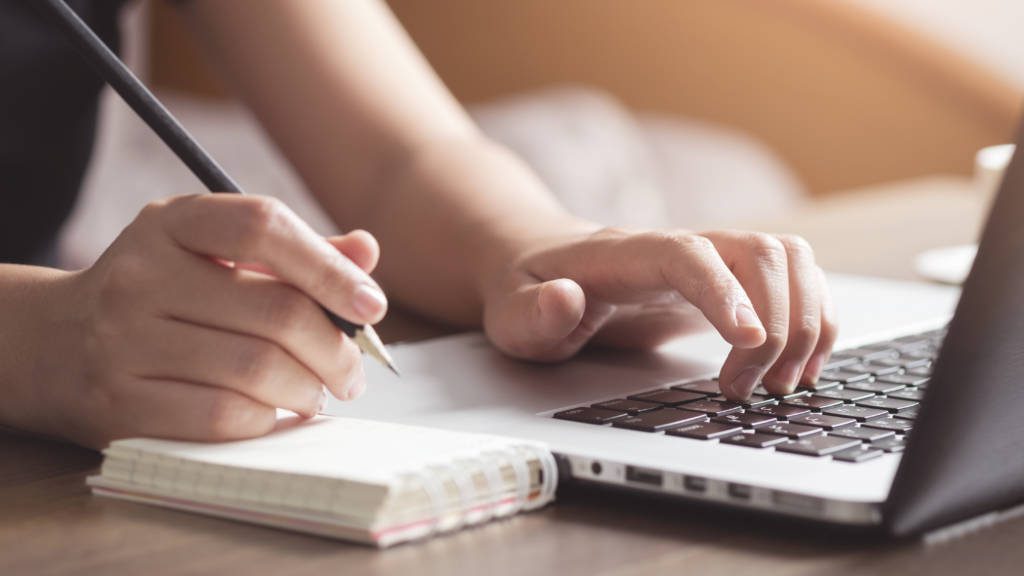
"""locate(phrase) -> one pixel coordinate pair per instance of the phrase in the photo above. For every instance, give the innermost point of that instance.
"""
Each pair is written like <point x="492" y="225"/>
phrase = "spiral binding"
<point x="489" y="463"/>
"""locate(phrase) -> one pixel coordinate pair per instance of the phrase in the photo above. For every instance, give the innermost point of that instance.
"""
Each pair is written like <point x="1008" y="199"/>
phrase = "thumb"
<point x="547" y="321"/>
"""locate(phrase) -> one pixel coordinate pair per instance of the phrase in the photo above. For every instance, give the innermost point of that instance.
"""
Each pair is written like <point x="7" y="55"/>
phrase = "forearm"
<point x="382" y="144"/>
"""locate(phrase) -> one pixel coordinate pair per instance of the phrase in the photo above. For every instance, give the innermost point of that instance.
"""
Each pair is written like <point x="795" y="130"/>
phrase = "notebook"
<point x="365" y="481"/>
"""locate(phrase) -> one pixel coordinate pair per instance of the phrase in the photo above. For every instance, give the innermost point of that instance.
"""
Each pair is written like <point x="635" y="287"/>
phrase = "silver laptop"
<point x="918" y="421"/>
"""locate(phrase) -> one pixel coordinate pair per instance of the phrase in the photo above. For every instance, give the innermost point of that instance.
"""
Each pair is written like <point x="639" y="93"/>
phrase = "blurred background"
<point x="687" y="113"/>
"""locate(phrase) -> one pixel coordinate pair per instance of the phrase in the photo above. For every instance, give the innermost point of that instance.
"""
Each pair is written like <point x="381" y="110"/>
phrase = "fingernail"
<point x="747" y="318"/>
<point x="369" y="301"/>
<point x="745" y="382"/>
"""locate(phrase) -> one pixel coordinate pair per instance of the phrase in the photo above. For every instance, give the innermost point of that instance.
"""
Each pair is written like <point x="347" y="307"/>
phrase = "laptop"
<point x="917" y="423"/>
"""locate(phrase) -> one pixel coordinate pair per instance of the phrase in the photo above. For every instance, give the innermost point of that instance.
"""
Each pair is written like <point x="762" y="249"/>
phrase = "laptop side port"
<point x="695" y="484"/>
<point x="739" y="491"/>
<point x="643" y="476"/>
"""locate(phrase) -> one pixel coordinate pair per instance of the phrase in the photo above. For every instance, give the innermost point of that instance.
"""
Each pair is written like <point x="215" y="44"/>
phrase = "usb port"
<point x="643" y="476"/>
<point x="739" y="491"/>
<point x="695" y="484"/>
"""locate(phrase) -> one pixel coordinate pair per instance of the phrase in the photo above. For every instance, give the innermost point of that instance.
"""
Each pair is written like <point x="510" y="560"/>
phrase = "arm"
<point x="470" y="236"/>
<point x="381" y="143"/>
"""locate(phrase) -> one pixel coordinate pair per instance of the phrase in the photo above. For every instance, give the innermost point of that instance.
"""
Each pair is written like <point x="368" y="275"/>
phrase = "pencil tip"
<point x="368" y="341"/>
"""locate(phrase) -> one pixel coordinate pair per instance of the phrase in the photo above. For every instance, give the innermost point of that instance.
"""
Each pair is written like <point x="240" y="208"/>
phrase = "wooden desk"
<point x="49" y="524"/>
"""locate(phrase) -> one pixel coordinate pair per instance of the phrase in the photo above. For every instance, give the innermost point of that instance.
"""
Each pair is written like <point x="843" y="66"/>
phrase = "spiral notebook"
<point x="360" y="480"/>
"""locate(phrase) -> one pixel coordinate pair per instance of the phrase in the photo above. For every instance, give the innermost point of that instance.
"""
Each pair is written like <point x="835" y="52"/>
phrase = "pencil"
<point x="167" y="127"/>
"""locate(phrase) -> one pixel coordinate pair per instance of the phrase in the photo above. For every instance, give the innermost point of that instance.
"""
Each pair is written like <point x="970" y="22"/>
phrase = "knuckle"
<point x="287" y="310"/>
<point x="230" y="416"/>
<point x="152" y="210"/>
<point x="255" y="363"/>
<point x="775" y="342"/>
<point x="806" y="332"/>
<point x="609" y="233"/>
<point x="690" y="244"/>
<point x="797" y="245"/>
<point x="767" y="249"/>
<point x="260" y="216"/>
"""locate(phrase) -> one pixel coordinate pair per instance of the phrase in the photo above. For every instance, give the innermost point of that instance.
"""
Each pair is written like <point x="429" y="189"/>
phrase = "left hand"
<point x="764" y="294"/>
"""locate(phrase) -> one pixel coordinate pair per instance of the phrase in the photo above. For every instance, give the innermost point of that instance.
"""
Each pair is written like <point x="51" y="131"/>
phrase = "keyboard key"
<point x="894" y="424"/>
<point x="845" y="377"/>
<point x="817" y="445"/>
<point x="872" y="368"/>
<point x="887" y="352"/>
<point x="789" y="430"/>
<point x="589" y="415"/>
<point x="707" y="387"/>
<point x="915" y="363"/>
<point x="713" y="408"/>
<point x="754" y="401"/>
<point x="857" y="454"/>
<point x="658" y="420"/>
<point x="780" y="411"/>
<point x="890" y="444"/>
<point x="745" y="419"/>
<point x="890" y="404"/>
<point x="904" y="379"/>
<point x="862" y="433"/>
<point x="837" y="361"/>
<point x="761" y="390"/>
<point x="924" y="371"/>
<point x="908" y="414"/>
<point x="822" y="385"/>
<point x="668" y="397"/>
<point x="812" y="402"/>
<point x="845" y="394"/>
<point x="857" y="353"/>
<point x="626" y="405"/>
<point x="822" y="421"/>
<point x="908" y="394"/>
<point x="704" y="430"/>
<point x="755" y="440"/>
<point x="876" y="346"/>
<point x="860" y="413"/>
<point x="877" y="386"/>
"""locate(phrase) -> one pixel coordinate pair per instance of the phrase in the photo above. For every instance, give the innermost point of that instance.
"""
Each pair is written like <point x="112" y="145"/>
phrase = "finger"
<point x="804" y="316"/>
<point x="828" y="336"/>
<point x="188" y="411"/>
<point x="251" y="366"/>
<point x="212" y="295"/>
<point x="360" y="247"/>
<point x="263" y="230"/>
<point x="646" y="328"/>
<point x="760" y="264"/>
<point x="626" y="268"/>
<point x="545" y="321"/>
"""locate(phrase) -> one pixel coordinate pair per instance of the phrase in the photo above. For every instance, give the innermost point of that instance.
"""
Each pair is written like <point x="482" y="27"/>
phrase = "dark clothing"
<point x="48" y="108"/>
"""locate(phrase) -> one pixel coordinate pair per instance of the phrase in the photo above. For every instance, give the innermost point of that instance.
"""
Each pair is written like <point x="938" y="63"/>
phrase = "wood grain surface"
<point x="50" y="524"/>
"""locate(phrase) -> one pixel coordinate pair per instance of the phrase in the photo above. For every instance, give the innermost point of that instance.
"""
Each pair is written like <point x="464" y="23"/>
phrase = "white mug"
<point x="989" y="165"/>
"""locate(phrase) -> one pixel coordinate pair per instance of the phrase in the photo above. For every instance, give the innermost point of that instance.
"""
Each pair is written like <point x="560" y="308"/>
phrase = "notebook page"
<point x="363" y="451"/>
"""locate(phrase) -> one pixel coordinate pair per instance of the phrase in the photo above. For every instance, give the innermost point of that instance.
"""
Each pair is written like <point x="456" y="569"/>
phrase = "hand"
<point x="203" y="317"/>
<point x="764" y="294"/>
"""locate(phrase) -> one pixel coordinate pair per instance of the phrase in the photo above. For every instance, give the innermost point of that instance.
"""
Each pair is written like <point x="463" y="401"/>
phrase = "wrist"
<point x="514" y="213"/>
<point x="34" y="360"/>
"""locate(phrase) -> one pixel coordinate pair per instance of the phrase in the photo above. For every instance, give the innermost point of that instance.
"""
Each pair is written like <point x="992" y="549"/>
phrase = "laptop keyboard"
<point x="863" y="406"/>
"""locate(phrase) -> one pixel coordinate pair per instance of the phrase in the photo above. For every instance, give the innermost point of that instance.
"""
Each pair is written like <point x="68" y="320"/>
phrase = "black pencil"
<point x="167" y="127"/>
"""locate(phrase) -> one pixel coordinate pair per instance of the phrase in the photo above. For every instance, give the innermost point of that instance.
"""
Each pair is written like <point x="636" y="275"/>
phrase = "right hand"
<point x="203" y="317"/>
